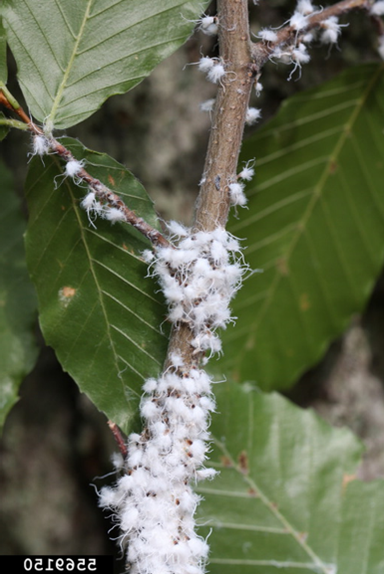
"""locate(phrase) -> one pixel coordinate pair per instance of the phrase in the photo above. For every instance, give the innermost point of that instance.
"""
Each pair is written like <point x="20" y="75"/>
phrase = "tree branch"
<point x="120" y="440"/>
<point x="224" y="145"/>
<point x="100" y="190"/>
<point x="228" y="117"/>
<point x="243" y="61"/>
<point x="261" y="51"/>
<point x="111" y="198"/>
<point x="13" y="124"/>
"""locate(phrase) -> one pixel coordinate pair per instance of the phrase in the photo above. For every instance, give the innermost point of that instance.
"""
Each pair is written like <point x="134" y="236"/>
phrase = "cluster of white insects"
<point x="328" y="33"/>
<point x="153" y="502"/>
<point x="198" y="280"/>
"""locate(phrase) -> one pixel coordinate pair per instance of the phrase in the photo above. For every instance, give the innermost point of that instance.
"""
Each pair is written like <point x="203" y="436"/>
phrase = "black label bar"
<point x="57" y="564"/>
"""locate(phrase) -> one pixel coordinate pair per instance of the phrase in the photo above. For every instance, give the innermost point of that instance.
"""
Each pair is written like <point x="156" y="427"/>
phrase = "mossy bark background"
<point x="55" y="444"/>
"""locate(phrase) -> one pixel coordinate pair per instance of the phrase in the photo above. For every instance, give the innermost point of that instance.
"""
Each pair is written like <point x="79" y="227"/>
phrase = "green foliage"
<point x="97" y="310"/>
<point x="3" y="72"/>
<point x="314" y="227"/>
<point x="287" y="498"/>
<point x="3" y="54"/>
<point x="18" y="350"/>
<point x="3" y="129"/>
<point x="72" y="55"/>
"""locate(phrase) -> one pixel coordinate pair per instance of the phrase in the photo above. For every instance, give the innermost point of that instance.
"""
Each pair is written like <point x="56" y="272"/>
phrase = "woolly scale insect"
<point x="72" y="169"/>
<point x="252" y="116"/>
<point x="198" y="278"/>
<point x="209" y="25"/>
<point x="213" y="67"/>
<point x="40" y="145"/>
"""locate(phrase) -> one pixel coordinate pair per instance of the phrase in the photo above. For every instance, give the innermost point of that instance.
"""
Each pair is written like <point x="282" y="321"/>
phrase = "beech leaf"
<point x="3" y="54"/>
<point x="72" y="55"/>
<point x="18" y="349"/>
<point x="97" y="309"/>
<point x="315" y="228"/>
<point x="287" y="498"/>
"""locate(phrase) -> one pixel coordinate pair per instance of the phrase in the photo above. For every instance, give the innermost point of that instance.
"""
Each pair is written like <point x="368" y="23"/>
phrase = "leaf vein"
<point x="134" y="343"/>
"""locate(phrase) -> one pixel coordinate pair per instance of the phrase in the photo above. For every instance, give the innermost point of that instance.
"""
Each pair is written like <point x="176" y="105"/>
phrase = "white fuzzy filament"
<point x="153" y="502"/>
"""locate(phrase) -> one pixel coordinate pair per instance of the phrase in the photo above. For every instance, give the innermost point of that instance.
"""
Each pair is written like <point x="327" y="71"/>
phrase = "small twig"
<point x="13" y="124"/>
<point x="6" y="98"/>
<point x="228" y="116"/>
<point x="111" y="198"/>
<point x="261" y="51"/>
<point x="121" y="443"/>
<point x="4" y="102"/>
<point x="100" y="190"/>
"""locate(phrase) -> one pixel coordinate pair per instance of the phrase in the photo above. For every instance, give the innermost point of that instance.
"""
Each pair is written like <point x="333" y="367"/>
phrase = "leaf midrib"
<point x="60" y="91"/>
<point x="98" y="288"/>
<point x="323" y="568"/>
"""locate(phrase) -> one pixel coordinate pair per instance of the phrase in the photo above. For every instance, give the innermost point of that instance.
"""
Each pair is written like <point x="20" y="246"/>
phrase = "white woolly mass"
<point x="89" y="202"/>
<point x="213" y="67"/>
<point x="378" y="8"/>
<point x="113" y="214"/>
<point x="258" y="88"/>
<point x="248" y="171"/>
<point x="177" y="230"/>
<point x="198" y="280"/>
<point x="148" y="256"/>
<point x="40" y="145"/>
<point x="296" y="55"/>
<point x="73" y="167"/>
<point x="284" y="56"/>
<point x="237" y="195"/>
<point x="206" y="64"/>
<point x="209" y="25"/>
<point x="207" y="106"/>
<point x="298" y="21"/>
<point x="153" y="502"/>
<point x="308" y="37"/>
<point x="331" y="30"/>
<point x="300" y="54"/>
<point x="94" y="208"/>
<point x="252" y="116"/>
<point x="305" y="7"/>
<point x="216" y="73"/>
<point x="117" y="461"/>
<point x="267" y="35"/>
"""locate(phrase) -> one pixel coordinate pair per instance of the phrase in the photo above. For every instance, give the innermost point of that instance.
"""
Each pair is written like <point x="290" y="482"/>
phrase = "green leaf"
<point x="287" y="499"/>
<point x="97" y="309"/>
<point x="315" y="226"/>
<point x="72" y="55"/>
<point x="18" y="350"/>
<point x="3" y="73"/>
<point x="3" y="54"/>
<point x="3" y="129"/>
